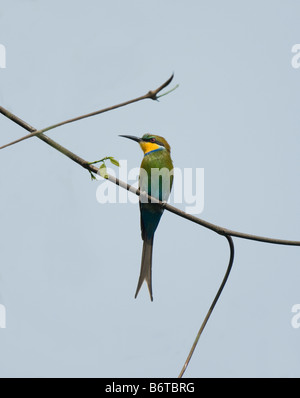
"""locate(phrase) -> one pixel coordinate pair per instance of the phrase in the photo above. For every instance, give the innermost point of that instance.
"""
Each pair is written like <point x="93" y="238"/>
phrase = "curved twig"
<point x="152" y="94"/>
<point x="231" y="245"/>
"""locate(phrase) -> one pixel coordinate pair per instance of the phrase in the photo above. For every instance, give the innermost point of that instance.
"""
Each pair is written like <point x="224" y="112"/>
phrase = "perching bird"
<point x="156" y="179"/>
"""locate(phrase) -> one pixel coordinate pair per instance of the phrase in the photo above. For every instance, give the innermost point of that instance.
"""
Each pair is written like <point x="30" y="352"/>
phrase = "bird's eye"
<point x="152" y="139"/>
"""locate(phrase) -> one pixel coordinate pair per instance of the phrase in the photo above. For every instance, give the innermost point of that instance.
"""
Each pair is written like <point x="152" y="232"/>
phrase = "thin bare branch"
<point x="229" y="267"/>
<point x="152" y="94"/>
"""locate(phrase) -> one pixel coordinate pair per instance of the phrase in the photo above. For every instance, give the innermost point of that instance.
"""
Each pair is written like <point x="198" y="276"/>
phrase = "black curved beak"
<point x="132" y="137"/>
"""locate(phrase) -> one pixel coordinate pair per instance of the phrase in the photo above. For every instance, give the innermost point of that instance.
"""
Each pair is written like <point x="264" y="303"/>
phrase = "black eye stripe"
<point x="153" y="140"/>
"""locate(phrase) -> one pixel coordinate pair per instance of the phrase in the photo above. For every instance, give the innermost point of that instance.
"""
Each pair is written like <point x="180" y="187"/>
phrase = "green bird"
<point x="156" y="179"/>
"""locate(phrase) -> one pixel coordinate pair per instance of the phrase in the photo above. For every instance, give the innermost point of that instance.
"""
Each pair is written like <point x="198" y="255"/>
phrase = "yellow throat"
<point x="148" y="146"/>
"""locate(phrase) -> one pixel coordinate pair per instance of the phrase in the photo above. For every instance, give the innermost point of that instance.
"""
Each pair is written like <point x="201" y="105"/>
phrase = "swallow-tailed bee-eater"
<point x="156" y="179"/>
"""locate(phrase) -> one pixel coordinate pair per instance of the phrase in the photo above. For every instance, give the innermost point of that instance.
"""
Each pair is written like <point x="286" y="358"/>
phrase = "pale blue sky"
<point x="69" y="266"/>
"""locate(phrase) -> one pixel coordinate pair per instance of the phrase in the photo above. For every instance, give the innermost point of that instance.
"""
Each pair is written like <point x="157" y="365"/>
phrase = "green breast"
<point x="156" y="175"/>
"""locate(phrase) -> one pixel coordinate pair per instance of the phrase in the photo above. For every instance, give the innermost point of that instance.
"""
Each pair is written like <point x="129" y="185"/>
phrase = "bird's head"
<point x="150" y="142"/>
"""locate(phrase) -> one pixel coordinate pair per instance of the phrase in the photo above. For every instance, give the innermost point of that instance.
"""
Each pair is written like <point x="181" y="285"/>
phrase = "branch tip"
<point x="152" y="94"/>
